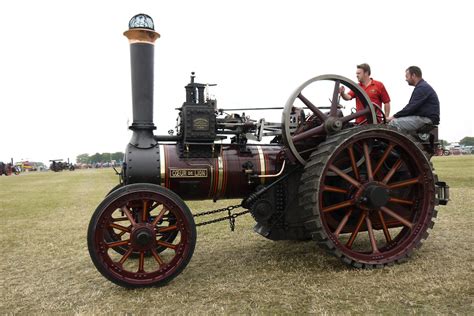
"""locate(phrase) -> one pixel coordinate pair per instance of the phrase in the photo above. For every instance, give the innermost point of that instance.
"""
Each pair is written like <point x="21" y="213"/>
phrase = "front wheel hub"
<point x="143" y="237"/>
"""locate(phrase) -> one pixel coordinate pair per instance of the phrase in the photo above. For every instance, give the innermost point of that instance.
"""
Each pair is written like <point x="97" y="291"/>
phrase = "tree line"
<point x="466" y="141"/>
<point x="100" y="158"/>
<point x="118" y="156"/>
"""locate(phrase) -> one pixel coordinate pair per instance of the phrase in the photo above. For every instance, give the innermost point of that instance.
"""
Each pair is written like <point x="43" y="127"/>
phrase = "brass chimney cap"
<point x="141" y="29"/>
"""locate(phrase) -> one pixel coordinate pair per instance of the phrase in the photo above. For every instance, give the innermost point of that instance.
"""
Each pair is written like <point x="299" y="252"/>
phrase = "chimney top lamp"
<point x="141" y="29"/>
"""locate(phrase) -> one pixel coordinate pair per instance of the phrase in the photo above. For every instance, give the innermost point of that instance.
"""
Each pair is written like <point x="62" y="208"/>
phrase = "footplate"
<point x="442" y="192"/>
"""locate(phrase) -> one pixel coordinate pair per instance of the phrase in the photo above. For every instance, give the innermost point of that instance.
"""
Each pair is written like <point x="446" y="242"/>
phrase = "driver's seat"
<point x="426" y="128"/>
<point x="428" y="136"/>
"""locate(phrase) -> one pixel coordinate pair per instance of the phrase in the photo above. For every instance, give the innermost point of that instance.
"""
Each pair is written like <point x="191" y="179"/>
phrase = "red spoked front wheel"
<point x="129" y="236"/>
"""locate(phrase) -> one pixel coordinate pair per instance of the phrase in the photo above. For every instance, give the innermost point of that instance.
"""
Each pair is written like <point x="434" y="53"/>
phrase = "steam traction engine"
<point x="58" y="165"/>
<point x="365" y="193"/>
<point x="8" y="168"/>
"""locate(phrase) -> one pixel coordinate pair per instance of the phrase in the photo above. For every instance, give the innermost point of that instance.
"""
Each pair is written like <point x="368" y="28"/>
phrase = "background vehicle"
<point x="58" y="165"/>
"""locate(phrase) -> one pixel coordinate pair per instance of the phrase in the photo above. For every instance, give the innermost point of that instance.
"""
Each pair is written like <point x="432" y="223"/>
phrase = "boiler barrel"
<point x="221" y="177"/>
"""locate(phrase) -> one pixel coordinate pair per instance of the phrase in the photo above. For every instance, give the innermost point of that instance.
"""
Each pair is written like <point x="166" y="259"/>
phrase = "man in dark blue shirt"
<point x="423" y="107"/>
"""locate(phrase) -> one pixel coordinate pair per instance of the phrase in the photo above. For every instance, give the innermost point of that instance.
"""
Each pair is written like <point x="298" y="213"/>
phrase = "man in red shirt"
<point x="374" y="89"/>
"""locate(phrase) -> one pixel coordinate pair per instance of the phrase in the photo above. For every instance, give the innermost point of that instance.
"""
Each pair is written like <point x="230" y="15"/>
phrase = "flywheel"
<point x="302" y="133"/>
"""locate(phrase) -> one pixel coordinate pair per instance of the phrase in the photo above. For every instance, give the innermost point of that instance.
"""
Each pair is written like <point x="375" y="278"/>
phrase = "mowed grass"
<point x="45" y="266"/>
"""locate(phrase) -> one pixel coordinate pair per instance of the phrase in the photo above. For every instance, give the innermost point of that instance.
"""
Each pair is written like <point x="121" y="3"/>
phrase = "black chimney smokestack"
<point x="141" y="163"/>
<point x="142" y="36"/>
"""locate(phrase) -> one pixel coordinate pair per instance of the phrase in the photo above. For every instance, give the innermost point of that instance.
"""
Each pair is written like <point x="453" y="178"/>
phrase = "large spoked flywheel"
<point x="374" y="213"/>
<point x="302" y="133"/>
<point x="141" y="235"/>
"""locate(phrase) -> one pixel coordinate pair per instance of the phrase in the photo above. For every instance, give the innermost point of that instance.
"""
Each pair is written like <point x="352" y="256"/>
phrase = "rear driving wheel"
<point x="375" y="213"/>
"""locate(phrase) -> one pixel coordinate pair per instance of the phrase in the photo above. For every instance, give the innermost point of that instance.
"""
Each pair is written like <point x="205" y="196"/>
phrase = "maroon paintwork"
<point x="224" y="176"/>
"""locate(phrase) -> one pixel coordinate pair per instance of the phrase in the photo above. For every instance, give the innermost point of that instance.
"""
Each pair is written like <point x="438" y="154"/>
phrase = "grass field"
<point x="45" y="266"/>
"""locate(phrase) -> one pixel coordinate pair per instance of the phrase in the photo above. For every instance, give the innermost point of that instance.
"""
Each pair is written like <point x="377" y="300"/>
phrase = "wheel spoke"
<point x="126" y="255"/>
<point x="165" y="244"/>
<point x="333" y="189"/>
<point x="160" y="216"/>
<point x="384" y="227"/>
<point x="120" y="227"/>
<point x="145" y="211"/>
<point x="345" y="176"/>
<point x="392" y="171"/>
<point x="129" y="216"/>
<point x="404" y="183"/>
<point x="353" y="162"/>
<point x="400" y="201"/>
<point x="370" y="230"/>
<point x="313" y="108"/>
<point x="319" y="130"/>
<point x="396" y="216"/>
<point x="167" y="229"/>
<point x="356" y="230"/>
<point x="119" y="219"/>
<point x="141" y="262"/>
<point x="124" y="232"/>
<point x="342" y="224"/>
<point x="334" y="102"/>
<point x="357" y="114"/>
<point x="117" y="243"/>
<point x="384" y="157"/>
<point x="368" y="163"/>
<point x="338" y="206"/>
<point x="156" y="256"/>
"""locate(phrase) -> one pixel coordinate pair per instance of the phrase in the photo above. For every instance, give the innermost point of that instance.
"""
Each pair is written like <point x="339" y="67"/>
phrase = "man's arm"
<point x="386" y="109"/>
<point x="385" y="99"/>
<point x="344" y="95"/>
<point x="417" y="99"/>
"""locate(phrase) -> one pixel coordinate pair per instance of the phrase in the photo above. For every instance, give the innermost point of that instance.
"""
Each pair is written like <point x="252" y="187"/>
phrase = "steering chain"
<point x="246" y="203"/>
<point x="230" y="216"/>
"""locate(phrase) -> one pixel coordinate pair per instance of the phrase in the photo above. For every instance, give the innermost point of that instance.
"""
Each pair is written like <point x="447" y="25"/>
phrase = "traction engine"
<point x="366" y="193"/>
<point x="58" y="165"/>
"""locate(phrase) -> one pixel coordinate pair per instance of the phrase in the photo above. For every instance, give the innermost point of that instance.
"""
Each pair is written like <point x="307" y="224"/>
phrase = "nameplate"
<point x="188" y="173"/>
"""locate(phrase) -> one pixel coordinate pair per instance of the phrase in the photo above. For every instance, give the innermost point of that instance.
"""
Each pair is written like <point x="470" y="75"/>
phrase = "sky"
<point x="65" y="66"/>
